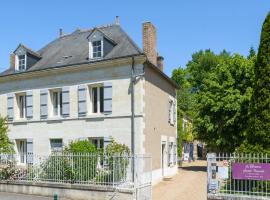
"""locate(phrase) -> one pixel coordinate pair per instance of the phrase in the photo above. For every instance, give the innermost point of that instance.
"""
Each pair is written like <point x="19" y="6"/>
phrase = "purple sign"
<point x="251" y="171"/>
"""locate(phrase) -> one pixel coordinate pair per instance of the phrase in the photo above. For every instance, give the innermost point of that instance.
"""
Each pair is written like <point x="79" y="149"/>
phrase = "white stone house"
<point x="82" y="85"/>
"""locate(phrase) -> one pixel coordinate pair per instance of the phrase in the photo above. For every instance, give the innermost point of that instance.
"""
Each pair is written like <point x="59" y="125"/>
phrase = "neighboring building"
<point x="79" y="86"/>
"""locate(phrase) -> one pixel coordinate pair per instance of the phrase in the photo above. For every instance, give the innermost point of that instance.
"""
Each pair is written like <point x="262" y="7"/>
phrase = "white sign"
<point x="186" y="156"/>
<point x="223" y="172"/>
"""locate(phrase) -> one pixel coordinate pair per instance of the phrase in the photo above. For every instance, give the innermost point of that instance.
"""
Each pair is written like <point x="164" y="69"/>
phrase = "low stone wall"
<point x="233" y="197"/>
<point x="66" y="191"/>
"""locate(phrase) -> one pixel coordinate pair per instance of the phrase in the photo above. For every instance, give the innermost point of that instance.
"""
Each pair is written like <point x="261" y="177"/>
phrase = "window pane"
<point x="56" y="144"/>
<point x="61" y="102"/>
<point x="55" y="103"/>
<point x="22" y="106"/>
<point x="101" y="99"/>
<point x="94" y="99"/>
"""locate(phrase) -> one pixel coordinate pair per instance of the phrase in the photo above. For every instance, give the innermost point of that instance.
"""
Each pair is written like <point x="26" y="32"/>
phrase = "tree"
<point x="6" y="146"/>
<point x="223" y="92"/>
<point x="185" y="102"/>
<point x="258" y="137"/>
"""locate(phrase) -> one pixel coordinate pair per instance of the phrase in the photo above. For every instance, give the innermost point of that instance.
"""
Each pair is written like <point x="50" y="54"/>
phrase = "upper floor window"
<point x="97" y="49"/>
<point x="97" y="99"/>
<point x="21" y="62"/>
<point x="22" y="106"/>
<point x="57" y="102"/>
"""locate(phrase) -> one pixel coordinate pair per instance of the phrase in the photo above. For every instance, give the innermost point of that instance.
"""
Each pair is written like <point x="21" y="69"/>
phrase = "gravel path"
<point x="188" y="184"/>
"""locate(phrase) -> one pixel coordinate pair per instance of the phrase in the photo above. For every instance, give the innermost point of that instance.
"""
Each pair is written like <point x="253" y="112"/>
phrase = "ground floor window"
<point x="170" y="154"/>
<point x="56" y="145"/>
<point x="22" y="150"/>
<point x="98" y="142"/>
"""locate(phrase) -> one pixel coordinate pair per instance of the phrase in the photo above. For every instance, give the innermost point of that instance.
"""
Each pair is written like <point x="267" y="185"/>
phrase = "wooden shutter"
<point x="29" y="104"/>
<point x="65" y="102"/>
<point x="10" y="106"/>
<point x="82" y="109"/>
<point x="174" y="112"/>
<point x="107" y="98"/>
<point x="29" y="148"/>
<point x="169" y="111"/>
<point x="44" y="104"/>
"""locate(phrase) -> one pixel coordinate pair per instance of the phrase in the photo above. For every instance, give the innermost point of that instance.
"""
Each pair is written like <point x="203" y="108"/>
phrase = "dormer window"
<point x="97" y="49"/>
<point x="99" y="45"/>
<point x="21" y="62"/>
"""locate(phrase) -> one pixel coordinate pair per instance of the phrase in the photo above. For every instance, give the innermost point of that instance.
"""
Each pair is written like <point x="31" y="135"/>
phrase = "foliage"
<point x="258" y="137"/>
<point x="77" y="162"/>
<point x="117" y="148"/>
<point x="223" y="102"/>
<point x="6" y="146"/>
<point x="81" y="146"/>
<point x="118" y="161"/>
<point x="185" y="101"/>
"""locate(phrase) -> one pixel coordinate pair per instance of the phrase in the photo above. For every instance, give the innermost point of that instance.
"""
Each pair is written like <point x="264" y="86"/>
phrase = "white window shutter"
<point x="43" y="104"/>
<point x="169" y="111"/>
<point x="29" y="104"/>
<point x="174" y="112"/>
<point x="107" y="98"/>
<point x="82" y="107"/>
<point x="65" y="102"/>
<point x="29" y="147"/>
<point x="10" y="105"/>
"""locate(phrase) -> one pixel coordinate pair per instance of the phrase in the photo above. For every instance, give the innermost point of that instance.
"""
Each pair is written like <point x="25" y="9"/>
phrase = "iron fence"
<point x="238" y="175"/>
<point x="86" y="169"/>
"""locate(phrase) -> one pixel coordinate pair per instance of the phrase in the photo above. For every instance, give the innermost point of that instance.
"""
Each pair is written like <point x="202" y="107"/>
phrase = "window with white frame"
<point x="97" y="49"/>
<point x="97" y="99"/>
<point x="57" y="102"/>
<point x="174" y="154"/>
<point x="22" y="105"/>
<point x="22" y="150"/>
<point x="170" y="152"/>
<point x="97" y="142"/>
<point x="21" y="62"/>
<point x="56" y="145"/>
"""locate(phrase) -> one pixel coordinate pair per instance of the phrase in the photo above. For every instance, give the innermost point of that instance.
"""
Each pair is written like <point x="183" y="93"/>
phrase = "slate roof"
<point x="73" y="49"/>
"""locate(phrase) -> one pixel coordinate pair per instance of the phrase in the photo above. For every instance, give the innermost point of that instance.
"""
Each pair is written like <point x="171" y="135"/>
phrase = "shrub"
<point x="118" y="160"/>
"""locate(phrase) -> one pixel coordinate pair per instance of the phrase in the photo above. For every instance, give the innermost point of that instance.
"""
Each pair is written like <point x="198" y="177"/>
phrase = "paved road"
<point x="11" y="196"/>
<point x="188" y="184"/>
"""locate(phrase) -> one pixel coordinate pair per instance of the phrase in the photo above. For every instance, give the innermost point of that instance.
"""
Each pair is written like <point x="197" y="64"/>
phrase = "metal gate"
<point x="238" y="176"/>
<point x="143" y="177"/>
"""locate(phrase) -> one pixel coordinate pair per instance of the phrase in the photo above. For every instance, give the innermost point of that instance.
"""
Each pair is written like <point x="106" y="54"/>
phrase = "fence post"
<point x="212" y="183"/>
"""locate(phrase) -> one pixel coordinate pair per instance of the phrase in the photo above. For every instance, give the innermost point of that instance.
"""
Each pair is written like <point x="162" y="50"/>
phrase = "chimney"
<point x="12" y="61"/>
<point x="150" y="42"/>
<point x="60" y="32"/>
<point x="160" y="60"/>
<point x="117" y="20"/>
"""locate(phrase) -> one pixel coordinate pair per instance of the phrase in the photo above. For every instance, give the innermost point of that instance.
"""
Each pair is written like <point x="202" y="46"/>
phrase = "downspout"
<point x="132" y="78"/>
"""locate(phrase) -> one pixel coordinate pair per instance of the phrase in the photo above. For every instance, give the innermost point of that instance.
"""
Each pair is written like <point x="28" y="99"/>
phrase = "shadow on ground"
<point x="194" y="168"/>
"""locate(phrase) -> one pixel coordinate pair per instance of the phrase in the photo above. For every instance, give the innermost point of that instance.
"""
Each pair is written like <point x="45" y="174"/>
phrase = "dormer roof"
<point x="22" y="49"/>
<point x="74" y="48"/>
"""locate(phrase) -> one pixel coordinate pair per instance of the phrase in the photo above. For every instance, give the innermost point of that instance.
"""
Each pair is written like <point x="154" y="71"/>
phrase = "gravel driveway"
<point x="188" y="184"/>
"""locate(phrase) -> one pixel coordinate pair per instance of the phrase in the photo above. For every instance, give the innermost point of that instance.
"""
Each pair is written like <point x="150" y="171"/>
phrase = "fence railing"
<point x="84" y="169"/>
<point x="238" y="175"/>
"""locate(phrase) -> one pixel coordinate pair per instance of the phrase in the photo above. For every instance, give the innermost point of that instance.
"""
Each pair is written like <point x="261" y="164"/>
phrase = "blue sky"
<point x="184" y="27"/>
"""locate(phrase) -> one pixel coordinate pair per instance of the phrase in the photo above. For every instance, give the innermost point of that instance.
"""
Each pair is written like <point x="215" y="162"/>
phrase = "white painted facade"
<point x="116" y="124"/>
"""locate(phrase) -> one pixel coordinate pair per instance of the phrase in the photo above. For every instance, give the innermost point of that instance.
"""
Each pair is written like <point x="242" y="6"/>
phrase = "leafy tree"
<point x="223" y="92"/>
<point x="258" y="137"/>
<point x="185" y="102"/>
<point x="6" y="146"/>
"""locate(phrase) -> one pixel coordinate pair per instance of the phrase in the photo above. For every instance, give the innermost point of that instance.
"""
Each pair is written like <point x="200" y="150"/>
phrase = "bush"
<point x="78" y="162"/>
<point x="118" y="160"/>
